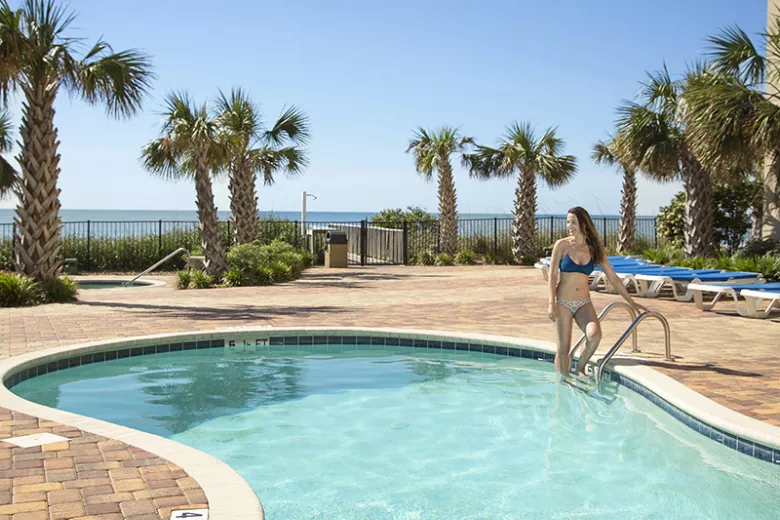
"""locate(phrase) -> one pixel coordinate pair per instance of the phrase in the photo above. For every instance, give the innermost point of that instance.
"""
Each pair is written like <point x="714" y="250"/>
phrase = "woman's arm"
<point x="552" y="281"/>
<point x="617" y="283"/>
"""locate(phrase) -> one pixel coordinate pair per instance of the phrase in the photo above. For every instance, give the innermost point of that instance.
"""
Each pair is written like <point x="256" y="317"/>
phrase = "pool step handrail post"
<point x="180" y="250"/>
<point x="599" y="369"/>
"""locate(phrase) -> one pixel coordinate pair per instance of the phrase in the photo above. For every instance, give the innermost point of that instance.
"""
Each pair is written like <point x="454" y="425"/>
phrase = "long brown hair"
<point x="591" y="236"/>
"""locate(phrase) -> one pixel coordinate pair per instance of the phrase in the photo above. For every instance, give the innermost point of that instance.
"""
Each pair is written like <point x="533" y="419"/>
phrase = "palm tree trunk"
<point x="211" y="240"/>
<point x="699" y="226"/>
<point x="38" y="221"/>
<point x="627" y="234"/>
<point x="524" y="225"/>
<point x="243" y="203"/>
<point x="448" y="210"/>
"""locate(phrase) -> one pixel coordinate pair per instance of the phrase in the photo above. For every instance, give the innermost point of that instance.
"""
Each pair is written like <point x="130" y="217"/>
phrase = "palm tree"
<point x="37" y="57"/>
<point x="610" y="153"/>
<point x="655" y="134"/>
<point x="432" y="151"/>
<point x="8" y="177"/>
<point x="733" y="112"/>
<point x="189" y="148"/>
<point x="521" y="151"/>
<point x="253" y="150"/>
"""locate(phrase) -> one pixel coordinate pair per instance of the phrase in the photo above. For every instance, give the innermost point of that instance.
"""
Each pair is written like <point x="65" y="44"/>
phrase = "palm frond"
<point x="486" y="163"/>
<point x="120" y="80"/>
<point x="238" y="115"/>
<point x="733" y="51"/>
<point x="652" y="139"/>
<point x="12" y="44"/>
<point x="162" y="158"/>
<point x="556" y="170"/>
<point x="292" y="125"/>
<point x="660" y="92"/>
<point x="290" y="160"/>
<point x="603" y="153"/>
<point x="9" y="178"/>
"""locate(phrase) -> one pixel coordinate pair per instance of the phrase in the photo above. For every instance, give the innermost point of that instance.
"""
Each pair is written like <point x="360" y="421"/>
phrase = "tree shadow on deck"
<point x="227" y="313"/>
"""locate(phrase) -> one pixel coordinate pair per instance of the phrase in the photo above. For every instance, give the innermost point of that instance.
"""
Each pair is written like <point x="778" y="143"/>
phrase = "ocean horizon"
<point x="110" y="215"/>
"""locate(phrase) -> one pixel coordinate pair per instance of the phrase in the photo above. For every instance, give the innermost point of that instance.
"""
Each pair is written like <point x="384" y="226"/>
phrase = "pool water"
<point x="354" y="433"/>
<point x="109" y="284"/>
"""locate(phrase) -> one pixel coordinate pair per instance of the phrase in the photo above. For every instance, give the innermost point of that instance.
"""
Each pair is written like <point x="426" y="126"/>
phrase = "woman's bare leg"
<point x="588" y="322"/>
<point x="563" y="323"/>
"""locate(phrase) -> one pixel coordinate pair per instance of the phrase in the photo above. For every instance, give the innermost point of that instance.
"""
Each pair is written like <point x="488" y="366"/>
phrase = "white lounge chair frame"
<point x="752" y="307"/>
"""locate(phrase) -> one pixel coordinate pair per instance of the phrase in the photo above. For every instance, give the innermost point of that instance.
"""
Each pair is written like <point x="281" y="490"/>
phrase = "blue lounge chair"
<point x="649" y="284"/>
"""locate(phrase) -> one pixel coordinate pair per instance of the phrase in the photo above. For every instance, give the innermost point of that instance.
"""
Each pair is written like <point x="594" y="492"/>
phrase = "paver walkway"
<point x="732" y="360"/>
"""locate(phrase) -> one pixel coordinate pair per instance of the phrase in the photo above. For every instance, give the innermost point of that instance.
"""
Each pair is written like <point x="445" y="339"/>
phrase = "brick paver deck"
<point x="732" y="360"/>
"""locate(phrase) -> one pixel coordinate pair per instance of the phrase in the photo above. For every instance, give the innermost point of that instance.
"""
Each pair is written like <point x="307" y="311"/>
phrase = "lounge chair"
<point x="649" y="285"/>
<point x="754" y="295"/>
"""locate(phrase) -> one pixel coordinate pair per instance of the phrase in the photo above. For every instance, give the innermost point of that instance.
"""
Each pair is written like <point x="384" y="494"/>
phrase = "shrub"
<point x="442" y="259"/>
<point x="17" y="290"/>
<point x="233" y="278"/>
<point x="424" y="258"/>
<point x="257" y="264"/>
<point x="466" y="258"/>
<point x="671" y="222"/>
<point x="768" y="265"/>
<point x="184" y="279"/>
<point x="733" y="203"/>
<point x="760" y="247"/>
<point x="61" y="290"/>
<point x="201" y="280"/>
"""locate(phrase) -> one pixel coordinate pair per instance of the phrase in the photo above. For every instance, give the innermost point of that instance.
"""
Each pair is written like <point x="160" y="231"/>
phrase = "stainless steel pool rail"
<point x="630" y="331"/>
<point x="180" y="250"/>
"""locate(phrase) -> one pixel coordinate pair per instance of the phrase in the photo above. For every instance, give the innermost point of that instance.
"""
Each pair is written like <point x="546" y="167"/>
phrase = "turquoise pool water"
<point x="355" y="433"/>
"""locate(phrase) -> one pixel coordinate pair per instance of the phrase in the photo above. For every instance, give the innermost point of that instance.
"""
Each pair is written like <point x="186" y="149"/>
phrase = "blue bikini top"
<point x="569" y="266"/>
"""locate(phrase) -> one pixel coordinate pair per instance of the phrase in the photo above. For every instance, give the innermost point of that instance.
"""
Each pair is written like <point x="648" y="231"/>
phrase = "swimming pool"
<point x="351" y="431"/>
<point x="115" y="284"/>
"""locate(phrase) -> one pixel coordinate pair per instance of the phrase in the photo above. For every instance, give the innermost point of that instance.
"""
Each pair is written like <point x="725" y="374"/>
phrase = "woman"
<point x="575" y="257"/>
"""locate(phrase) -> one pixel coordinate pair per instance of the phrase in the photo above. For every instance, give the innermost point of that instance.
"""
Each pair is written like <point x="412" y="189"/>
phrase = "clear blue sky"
<point x="369" y="72"/>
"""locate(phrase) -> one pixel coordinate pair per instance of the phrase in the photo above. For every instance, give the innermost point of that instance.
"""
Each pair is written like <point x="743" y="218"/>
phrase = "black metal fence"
<point x="100" y="246"/>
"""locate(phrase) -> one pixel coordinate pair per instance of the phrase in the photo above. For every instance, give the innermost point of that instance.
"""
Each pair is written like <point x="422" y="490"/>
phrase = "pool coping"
<point x="230" y="496"/>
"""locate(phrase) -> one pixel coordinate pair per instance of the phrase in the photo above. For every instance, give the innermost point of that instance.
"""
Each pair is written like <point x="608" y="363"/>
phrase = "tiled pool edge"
<point x="734" y="430"/>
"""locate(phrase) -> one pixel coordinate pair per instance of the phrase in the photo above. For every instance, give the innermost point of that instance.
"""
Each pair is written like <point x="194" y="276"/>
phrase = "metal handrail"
<point x="631" y="328"/>
<point x="603" y="314"/>
<point x="181" y="249"/>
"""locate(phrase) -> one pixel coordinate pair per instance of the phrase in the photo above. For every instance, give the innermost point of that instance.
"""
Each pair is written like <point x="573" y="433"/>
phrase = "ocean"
<point x="109" y="215"/>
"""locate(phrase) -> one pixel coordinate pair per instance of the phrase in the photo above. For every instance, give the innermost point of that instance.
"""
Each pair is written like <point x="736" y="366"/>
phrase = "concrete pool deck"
<point x="731" y="360"/>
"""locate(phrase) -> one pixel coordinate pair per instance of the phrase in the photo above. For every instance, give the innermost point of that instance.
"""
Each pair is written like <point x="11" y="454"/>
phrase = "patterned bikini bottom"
<point x="573" y="305"/>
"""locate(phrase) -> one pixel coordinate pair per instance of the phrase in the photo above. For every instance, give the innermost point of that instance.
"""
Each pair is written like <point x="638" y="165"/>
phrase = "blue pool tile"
<point x="392" y="342"/>
<point x="136" y="351"/>
<point x="420" y="343"/>
<point x="377" y="341"/>
<point x="349" y="340"/>
<point x="291" y="340"/>
<point x="763" y="452"/>
<point x="305" y="340"/>
<point x="52" y="367"/>
<point x="514" y="351"/>
<point x="99" y="356"/>
<point x="433" y="343"/>
<point x="745" y="446"/>
<point x="189" y="345"/>
<point x="730" y="441"/>
<point x="162" y="349"/>
<point x="462" y="346"/>
<point x="777" y="455"/>
<point x="320" y="340"/>
<point x="406" y="342"/>
<point x="62" y="364"/>
<point x="216" y="343"/>
<point x="150" y="350"/>
<point x="176" y="347"/>
<point x="125" y="352"/>
<point x="447" y="345"/>
<point x="475" y="347"/>
<point x="86" y="359"/>
<point x="490" y="349"/>
<point x="528" y="354"/>
<point x="717" y="436"/>
<point x="363" y="340"/>
<point x="276" y="340"/>
<point x="550" y="358"/>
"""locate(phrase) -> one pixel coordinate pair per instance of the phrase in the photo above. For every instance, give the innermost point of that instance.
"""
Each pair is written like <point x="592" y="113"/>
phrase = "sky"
<point x="368" y="73"/>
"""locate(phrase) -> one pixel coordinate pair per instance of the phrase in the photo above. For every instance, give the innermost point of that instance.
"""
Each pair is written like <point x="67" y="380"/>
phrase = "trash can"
<point x="335" y="248"/>
<point x="71" y="266"/>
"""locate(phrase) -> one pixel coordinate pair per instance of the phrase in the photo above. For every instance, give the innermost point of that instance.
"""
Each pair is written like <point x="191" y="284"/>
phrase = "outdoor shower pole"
<point x="303" y="220"/>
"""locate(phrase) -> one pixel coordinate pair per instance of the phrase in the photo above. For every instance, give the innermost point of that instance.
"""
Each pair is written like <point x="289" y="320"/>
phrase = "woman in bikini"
<point x="575" y="257"/>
